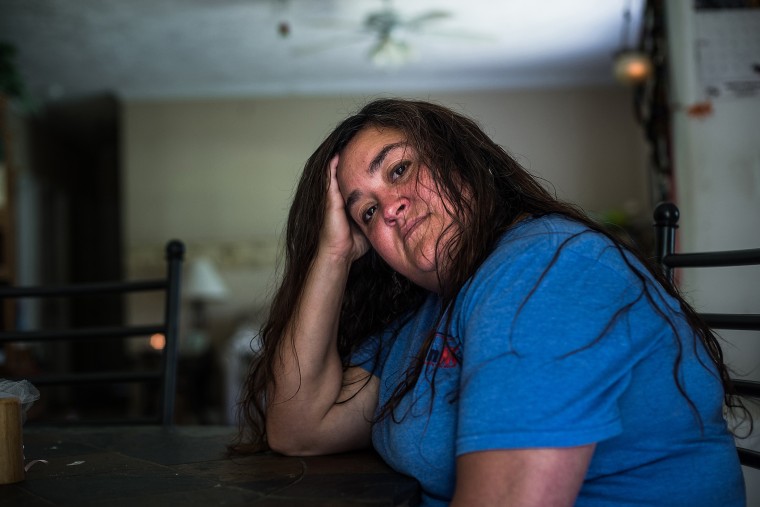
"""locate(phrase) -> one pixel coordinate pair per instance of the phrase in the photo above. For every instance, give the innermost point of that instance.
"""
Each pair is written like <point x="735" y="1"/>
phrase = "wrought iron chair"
<point x="666" y="217"/>
<point x="165" y="374"/>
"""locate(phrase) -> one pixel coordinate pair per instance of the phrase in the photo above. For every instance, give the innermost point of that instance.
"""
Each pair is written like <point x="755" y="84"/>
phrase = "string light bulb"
<point x="631" y="66"/>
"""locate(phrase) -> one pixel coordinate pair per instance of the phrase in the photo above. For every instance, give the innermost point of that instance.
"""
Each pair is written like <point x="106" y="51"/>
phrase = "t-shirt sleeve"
<point x="546" y="354"/>
<point x="372" y="353"/>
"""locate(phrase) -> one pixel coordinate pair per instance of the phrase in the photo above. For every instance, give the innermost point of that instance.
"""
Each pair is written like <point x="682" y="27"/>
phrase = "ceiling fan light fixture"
<point x="631" y="66"/>
<point x="390" y="52"/>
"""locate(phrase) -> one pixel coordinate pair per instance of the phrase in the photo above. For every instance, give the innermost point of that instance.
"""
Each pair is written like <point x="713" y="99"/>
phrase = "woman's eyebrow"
<point x="380" y="157"/>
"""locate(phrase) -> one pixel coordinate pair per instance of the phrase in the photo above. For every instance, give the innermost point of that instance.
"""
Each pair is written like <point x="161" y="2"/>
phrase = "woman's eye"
<point x="398" y="171"/>
<point x="367" y="215"/>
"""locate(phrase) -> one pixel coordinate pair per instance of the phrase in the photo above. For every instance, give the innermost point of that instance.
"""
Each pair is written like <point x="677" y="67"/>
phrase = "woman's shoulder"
<point x="553" y="224"/>
<point x="533" y="244"/>
<point x="550" y="233"/>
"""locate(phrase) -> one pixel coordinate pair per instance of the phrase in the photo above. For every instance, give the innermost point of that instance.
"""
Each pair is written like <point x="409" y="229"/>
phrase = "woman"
<point x="489" y="340"/>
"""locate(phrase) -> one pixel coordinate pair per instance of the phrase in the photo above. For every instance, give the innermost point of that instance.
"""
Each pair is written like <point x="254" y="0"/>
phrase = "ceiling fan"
<point x="388" y="26"/>
<point x="390" y="49"/>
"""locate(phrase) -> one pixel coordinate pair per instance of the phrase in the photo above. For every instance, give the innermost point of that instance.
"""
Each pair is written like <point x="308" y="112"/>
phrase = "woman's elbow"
<point x="290" y="443"/>
<point x="285" y="446"/>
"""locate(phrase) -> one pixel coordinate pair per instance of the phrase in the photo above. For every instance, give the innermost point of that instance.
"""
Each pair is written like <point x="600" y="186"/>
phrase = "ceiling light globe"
<point x="391" y="53"/>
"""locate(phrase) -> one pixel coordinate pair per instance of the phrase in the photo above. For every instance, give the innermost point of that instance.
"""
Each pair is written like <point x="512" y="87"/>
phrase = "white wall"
<point x="219" y="174"/>
<point x="717" y="180"/>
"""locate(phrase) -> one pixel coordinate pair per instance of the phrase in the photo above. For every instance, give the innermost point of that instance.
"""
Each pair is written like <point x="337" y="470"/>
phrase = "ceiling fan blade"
<point x="459" y="34"/>
<point x="334" y="43"/>
<point x="332" y="23"/>
<point x="419" y="20"/>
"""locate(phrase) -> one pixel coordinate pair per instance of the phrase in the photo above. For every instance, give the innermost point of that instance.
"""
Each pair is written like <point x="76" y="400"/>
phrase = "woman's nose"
<point x="395" y="209"/>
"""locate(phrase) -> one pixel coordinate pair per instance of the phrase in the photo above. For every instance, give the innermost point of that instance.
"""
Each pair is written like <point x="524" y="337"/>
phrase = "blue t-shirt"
<point x="553" y="343"/>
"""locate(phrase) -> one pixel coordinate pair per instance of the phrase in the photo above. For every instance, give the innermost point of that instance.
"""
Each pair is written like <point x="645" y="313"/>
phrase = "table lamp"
<point x="204" y="285"/>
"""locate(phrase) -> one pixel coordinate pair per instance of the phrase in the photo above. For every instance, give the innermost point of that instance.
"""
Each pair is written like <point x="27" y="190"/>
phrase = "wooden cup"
<point x="11" y="443"/>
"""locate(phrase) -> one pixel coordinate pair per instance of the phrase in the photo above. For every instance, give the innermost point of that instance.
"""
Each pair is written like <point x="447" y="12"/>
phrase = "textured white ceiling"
<point x="200" y="48"/>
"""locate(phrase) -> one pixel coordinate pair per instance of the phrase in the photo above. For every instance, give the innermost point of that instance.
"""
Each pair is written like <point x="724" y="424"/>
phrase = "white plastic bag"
<point x="21" y="389"/>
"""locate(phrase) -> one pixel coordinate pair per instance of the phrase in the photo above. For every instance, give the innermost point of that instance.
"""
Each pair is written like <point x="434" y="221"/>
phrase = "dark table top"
<point x="188" y="465"/>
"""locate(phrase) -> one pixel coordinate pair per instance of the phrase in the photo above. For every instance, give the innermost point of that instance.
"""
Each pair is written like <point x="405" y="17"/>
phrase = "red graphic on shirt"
<point x="444" y="353"/>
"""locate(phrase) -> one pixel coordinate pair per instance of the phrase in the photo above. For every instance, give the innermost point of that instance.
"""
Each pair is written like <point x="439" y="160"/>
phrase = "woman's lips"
<point x="412" y="226"/>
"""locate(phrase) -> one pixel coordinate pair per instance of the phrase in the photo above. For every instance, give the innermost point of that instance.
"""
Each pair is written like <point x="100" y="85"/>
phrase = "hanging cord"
<point x="625" y="32"/>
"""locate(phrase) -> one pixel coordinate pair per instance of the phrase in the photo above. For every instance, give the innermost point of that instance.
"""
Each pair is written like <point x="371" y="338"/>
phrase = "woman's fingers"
<point x="339" y="233"/>
<point x="336" y="230"/>
<point x="333" y="190"/>
<point x="334" y="197"/>
<point x="333" y="168"/>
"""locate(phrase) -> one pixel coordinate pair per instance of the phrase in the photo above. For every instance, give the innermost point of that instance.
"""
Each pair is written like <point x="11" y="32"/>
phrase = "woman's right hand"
<point x="340" y="237"/>
<point x="314" y="406"/>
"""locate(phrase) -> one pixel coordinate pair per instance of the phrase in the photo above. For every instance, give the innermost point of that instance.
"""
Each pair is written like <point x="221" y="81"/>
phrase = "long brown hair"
<point x="458" y="153"/>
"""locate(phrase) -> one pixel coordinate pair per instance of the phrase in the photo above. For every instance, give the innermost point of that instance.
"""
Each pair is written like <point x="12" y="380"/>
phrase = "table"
<point x="188" y="465"/>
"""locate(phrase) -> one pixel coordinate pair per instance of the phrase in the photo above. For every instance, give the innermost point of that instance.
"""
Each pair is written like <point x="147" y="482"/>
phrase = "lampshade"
<point x="631" y="67"/>
<point x="204" y="282"/>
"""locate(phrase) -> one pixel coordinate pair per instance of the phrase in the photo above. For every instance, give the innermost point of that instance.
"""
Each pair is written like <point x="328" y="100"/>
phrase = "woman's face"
<point x="394" y="201"/>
